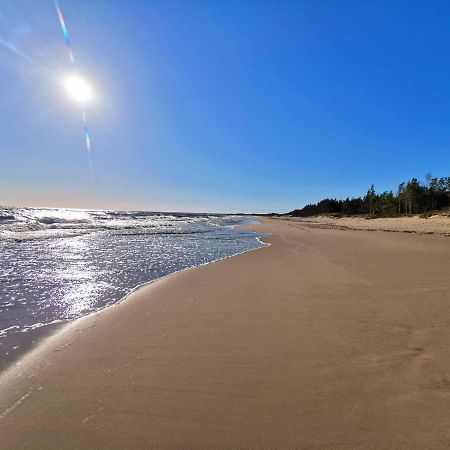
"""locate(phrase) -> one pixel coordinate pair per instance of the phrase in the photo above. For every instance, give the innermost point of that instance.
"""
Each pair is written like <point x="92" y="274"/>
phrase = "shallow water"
<point x="60" y="264"/>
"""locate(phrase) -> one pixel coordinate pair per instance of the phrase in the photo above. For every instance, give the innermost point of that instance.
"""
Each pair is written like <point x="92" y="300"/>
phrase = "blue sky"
<point x="253" y="106"/>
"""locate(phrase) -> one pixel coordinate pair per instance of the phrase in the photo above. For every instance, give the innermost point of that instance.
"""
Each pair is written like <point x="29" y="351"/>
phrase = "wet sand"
<point x="328" y="338"/>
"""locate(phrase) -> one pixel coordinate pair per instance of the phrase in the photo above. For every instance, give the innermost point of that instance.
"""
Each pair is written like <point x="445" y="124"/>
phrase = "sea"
<point x="59" y="264"/>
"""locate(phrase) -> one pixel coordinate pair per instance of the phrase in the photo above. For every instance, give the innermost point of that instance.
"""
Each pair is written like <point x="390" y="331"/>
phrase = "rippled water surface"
<point x="60" y="264"/>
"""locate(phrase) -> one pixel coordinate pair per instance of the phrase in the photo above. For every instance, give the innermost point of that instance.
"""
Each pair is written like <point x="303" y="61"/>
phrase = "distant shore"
<point x="329" y="338"/>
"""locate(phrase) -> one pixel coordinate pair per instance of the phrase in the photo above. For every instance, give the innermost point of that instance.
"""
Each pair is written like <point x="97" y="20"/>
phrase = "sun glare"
<point x="78" y="89"/>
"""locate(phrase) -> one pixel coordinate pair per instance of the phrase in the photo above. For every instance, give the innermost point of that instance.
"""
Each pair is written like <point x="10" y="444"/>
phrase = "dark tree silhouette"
<point x="412" y="197"/>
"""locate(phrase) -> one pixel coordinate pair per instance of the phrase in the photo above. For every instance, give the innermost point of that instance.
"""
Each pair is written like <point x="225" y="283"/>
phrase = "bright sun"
<point x="78" y="89"/>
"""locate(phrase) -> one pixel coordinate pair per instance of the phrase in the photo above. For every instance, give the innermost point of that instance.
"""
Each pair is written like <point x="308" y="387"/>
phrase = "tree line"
<point x="412" y="197"/>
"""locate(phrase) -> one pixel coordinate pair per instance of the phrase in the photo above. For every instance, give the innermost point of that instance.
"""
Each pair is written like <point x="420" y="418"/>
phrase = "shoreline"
<point x="45" y="332"/>
<point x="67" y="331"/>
<point x="64" y="333"/>
<point x="326" y="339"/>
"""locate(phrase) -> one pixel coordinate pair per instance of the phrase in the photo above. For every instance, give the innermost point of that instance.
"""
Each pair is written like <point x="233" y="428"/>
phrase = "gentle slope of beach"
<point x="326" y="339"/>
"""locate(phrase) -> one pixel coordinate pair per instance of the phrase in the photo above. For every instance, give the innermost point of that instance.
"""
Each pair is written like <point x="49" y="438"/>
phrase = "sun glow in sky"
<point x="78" y="89"/>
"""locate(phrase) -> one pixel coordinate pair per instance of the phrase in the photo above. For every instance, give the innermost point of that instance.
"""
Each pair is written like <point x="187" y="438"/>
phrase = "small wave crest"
<point x="42" y="223"/>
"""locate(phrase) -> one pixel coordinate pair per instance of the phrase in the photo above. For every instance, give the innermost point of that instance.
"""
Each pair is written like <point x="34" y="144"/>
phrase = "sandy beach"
<point x="435" y="224"/>
<point x="328" y="339"/>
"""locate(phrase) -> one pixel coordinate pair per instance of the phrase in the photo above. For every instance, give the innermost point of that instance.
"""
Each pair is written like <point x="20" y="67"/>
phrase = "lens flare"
<point x="62" y="23"/>
<point x="76" y="87"/>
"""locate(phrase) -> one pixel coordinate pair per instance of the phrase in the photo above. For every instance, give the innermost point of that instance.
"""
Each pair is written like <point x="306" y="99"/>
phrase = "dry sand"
<point x="437" y="224"/>
<point x="328" y="339"/>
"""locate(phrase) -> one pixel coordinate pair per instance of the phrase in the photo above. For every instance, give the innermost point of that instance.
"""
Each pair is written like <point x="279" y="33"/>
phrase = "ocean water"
<point x="60" y="264"/>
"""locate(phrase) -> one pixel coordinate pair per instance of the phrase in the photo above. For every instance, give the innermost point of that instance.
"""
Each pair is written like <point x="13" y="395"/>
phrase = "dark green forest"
<point x="412" y="197"/>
